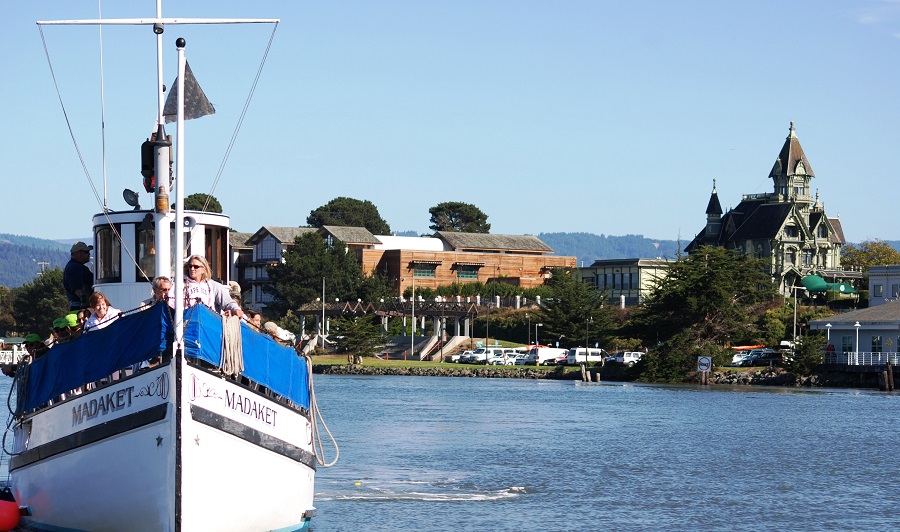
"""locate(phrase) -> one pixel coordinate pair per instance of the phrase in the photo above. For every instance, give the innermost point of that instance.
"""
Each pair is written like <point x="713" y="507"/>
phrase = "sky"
<point x="568" y="116"/>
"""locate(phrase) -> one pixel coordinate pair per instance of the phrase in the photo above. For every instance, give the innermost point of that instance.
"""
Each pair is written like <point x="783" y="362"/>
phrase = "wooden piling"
<point x="584" y="376"/>
<point x="890" y="377"/>
<point x="704" y="378"/>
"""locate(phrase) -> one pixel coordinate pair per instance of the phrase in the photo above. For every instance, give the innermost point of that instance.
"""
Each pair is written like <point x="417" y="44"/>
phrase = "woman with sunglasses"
<point x="200" y="288"/>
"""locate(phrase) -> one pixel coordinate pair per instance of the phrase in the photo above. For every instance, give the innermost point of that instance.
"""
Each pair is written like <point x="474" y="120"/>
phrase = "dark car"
<point x="768" y="357"/>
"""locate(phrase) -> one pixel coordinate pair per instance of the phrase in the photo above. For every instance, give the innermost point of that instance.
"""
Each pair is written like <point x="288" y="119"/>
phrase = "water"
<point x="426" y="453"/>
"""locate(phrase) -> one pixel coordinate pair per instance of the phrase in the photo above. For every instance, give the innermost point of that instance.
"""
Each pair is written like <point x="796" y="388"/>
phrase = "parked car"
<point x="756" y="357"/>
<point x="738" y="358"/>
<point x="629" y="358"/>
<point x="769" y="357"/>
<point x="458" y="357"/>
<point x="521" y="359"/>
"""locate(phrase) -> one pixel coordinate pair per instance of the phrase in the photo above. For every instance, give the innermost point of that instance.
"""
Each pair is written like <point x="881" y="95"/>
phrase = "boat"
<point x="172" y="417"/>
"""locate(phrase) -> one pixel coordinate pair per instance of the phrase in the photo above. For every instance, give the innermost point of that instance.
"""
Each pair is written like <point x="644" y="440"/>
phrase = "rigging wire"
<point x="240" y="121"/>
<point x="102" y="107"/>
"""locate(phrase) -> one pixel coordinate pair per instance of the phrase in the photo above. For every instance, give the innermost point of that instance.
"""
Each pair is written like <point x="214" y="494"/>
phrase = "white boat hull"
<point x="243" y="460"/>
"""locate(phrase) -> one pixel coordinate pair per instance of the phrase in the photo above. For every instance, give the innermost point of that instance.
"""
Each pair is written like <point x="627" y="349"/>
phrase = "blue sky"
<point x="576" y="116"/>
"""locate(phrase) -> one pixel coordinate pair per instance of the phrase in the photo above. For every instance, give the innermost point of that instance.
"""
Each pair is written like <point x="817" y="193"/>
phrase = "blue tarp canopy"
<point x="138" y="337"/>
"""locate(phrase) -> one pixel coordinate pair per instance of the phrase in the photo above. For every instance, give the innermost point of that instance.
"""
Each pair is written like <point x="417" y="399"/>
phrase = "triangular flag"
<point x="195" y="102"/>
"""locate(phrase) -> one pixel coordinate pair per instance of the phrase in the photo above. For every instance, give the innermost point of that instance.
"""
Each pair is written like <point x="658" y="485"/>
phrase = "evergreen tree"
<point x="198" y="202"/>
<point x="297" y="279"/>
<point x="358" y="337"/>
<point x="349" y="212"/>
<point x="459" y="217"/>
<point x="713" y="297"/>
<point x="574" y="312"/>
<point x="36" y="304"/>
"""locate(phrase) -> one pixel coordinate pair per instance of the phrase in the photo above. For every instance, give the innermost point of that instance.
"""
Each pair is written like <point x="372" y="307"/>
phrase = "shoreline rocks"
<point x="761" y="377"/>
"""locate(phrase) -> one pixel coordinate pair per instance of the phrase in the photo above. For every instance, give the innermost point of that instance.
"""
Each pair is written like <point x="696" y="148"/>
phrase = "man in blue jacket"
<point x="78" y="280"/>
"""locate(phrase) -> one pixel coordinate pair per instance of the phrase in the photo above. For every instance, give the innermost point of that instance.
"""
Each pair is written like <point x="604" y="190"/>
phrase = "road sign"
<point x="704" y="363"/>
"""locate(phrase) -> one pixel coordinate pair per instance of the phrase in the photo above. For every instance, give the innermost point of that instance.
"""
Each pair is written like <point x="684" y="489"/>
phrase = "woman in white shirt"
<point x="102" y="312"/>
<point x="200" y="288"/>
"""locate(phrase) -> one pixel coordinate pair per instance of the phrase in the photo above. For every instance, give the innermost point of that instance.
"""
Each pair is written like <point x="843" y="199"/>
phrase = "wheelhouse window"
<point x="878" y="290"/>
<point x="146" y="252"/>
<point x="108" y="255"/>
<point x="217" y="251"/>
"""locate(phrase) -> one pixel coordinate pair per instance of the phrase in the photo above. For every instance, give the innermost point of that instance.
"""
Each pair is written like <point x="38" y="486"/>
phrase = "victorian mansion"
<point x="788" y="226"/>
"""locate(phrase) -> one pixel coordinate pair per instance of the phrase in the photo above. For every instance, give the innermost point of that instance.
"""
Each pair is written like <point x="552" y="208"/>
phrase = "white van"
<point x="540" y="356"/>
<point x="577" y="355"/>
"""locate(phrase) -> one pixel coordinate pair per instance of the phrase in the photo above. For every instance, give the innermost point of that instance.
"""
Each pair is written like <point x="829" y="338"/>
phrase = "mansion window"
<point x="798" y="191"/>
<point x="878" y="290"/>
<point x="790" y="257"/>
<point x="895" y="291"/>
<point x="807" y="257"/>
<point x="790" y="231"/>
<point x="822" y="232"/>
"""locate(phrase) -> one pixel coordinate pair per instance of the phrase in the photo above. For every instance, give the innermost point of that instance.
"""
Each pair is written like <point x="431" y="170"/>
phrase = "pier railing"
<point x="862" y="358"/>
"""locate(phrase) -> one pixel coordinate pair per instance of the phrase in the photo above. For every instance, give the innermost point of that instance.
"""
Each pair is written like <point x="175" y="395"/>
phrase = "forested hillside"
<point x="21" y="258"/>
<point x="588" y="247"/>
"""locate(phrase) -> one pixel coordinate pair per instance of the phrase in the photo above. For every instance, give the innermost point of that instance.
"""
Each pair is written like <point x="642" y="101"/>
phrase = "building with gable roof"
<point x="787" y="226"/>
<point x="438" y="260"/>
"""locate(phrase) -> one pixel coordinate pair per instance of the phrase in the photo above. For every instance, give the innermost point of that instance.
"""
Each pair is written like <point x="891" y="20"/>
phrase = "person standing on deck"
<point x="78" y="280"/>
<point x="200" y="288"/>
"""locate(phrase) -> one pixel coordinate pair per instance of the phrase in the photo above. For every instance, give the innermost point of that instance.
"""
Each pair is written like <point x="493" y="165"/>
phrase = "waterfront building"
<point x="625" y="281"/>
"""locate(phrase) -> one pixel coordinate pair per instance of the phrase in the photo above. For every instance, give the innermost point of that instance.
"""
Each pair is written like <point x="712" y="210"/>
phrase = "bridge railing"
<point x="862" y="358"/>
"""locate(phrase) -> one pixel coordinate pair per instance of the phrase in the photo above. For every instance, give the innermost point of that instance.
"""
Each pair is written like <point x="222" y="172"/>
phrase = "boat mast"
<point x="178" y="277"/>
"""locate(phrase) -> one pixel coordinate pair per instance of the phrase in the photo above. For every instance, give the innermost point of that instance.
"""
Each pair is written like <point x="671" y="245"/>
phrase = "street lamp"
<point x="536" y="325"/>
<point x="527" y="317"/>
<point x="856" y="355"/>
<point x="828" y="333"/>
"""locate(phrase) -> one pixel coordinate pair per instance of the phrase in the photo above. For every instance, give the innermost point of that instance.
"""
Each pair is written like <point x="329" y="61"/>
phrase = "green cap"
<point x="71" y="319"/>
<point x="32" y="338"/>
<point x="60" y="323"/>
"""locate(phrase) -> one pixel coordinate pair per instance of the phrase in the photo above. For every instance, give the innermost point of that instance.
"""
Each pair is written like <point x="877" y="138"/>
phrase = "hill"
<point x="23" y="257"/>
<point x="588" y="247"/>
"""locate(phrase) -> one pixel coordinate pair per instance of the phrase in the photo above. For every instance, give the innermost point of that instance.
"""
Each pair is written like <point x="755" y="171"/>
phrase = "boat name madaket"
<point x="110" y="402"/>
<point x="250" y="407"/>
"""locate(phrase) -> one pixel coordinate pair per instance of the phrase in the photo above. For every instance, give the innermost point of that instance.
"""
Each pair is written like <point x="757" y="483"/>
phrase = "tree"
<point x="568" y="312"/>
<point x="349" y="212"/>
<point x="197" y="202"/>
<point x="713" y="297"/>
<point x="458" y="217"/>
<point x="868" y="254"/>
<point x="809" y="353"/>
<point x="297" y="280"/>
<point x="358" y="337"/>
<point x="36" y="304"/>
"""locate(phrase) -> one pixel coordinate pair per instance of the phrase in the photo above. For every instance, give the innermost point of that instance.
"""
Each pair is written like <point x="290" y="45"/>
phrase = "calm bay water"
<point x="427" y="453"/>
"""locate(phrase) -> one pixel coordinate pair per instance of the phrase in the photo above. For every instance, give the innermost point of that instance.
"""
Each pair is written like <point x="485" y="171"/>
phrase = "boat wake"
<point x="381" y="490"/>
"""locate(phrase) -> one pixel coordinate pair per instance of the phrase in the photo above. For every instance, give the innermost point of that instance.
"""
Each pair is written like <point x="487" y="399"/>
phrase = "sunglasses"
<point x="195" y="266"/>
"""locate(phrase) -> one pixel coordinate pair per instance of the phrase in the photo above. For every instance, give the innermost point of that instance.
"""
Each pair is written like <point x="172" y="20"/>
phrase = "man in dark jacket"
<point x="78" y="280"/>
